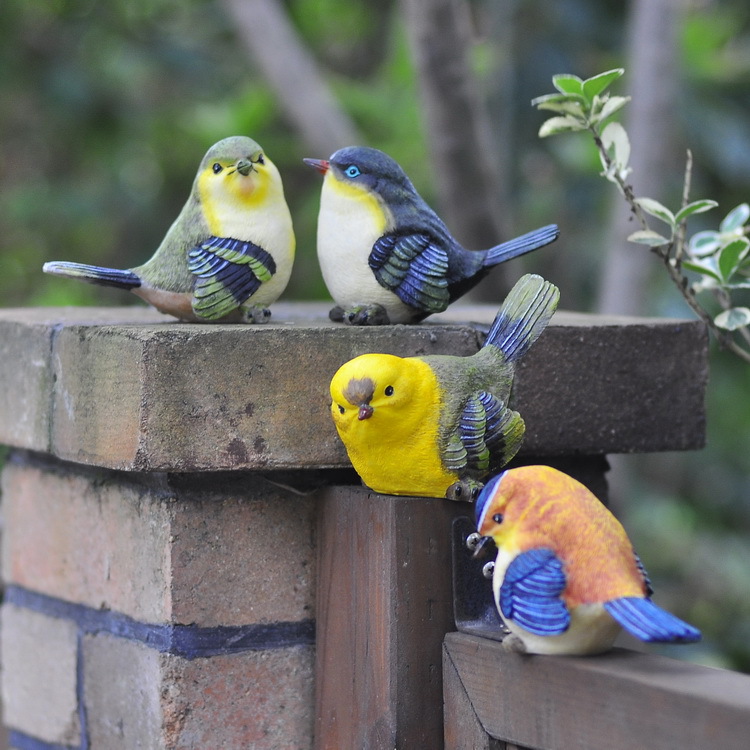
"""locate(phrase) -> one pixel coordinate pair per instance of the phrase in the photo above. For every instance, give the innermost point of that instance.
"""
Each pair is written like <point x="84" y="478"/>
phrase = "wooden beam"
<point x="621" y="700"/>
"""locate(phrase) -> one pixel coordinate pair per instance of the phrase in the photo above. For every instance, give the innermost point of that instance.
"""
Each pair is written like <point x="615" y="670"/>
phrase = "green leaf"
<point x="734" y="318"/>
<point x="612" y="105"/>
<point x="564" y="104"/>
<point x="705" y="267"/>
<point x="615" y="140"/>
<point x="598" y="83"/>
<point x="540" y="101"/>
<point x="648" y="237"/>
<point x="736" y="218"/>
<point x="696" y="207"/>
<point x="556" y="125"/>
<point x="566" y="83"/>
<point x="730" y="257"/>
<point x="654" y="208"/>
<point x="704" y="243"/>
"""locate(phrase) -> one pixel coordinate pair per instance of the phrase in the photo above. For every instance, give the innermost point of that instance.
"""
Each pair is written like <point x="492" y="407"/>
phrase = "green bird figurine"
<point x="229" y="253"/>
<point x="435" y="426"/>
<point x="385" y="255"/>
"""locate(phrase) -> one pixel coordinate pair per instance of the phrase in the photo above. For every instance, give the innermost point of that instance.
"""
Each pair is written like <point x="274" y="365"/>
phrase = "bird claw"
<point x="513" y="643"/>
<point x="466" y="490"/>
<point x="360" y="315"/>
<point x="255" y="314"/>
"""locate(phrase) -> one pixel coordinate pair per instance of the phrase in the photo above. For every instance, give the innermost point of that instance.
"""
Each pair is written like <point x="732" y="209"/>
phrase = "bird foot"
<point x="513" y="643"/>
<point x="360" y="315"/>
<point x="467" y="490"/>
<point x="255" y="314"/>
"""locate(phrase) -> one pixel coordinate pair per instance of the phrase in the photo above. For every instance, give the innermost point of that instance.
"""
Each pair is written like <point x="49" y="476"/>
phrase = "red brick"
<point x="242" y="551"/>
<point x="122" y="686"/>
<point x="39" y="656"/>
<point x="86" y="539"/>
<point x="210" y="550"/>
<point x="261" y="700"/>
<point x="255" y="699"/>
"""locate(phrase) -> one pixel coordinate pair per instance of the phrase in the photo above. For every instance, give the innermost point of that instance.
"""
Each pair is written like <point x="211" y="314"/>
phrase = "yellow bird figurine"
<point x="434" y="426"/>
<point x="566" y="578"/>
<point x="229" y="253"/>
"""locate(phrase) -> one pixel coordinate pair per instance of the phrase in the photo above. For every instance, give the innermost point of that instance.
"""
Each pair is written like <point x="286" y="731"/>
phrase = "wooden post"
<point x="384" y="605"/>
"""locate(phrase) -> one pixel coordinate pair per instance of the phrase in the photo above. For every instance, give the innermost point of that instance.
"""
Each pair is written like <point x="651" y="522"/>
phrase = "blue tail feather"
<point x="93" y="274"/>
<point x="649" y="622"/>
<point x="524" y="315"/>
<point x="521" y="245"/>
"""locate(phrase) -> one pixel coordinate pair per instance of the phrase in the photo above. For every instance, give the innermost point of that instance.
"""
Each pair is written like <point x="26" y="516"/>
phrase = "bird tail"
<point x="649" y="622"/>
<point x="523" y="316"/>
<point x="93" y="274"/>
<point x="521" y="245"/>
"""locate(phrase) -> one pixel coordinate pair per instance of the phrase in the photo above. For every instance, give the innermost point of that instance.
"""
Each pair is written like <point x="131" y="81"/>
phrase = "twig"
<point x="665" y="252"/>
<point x="681" y="231"/>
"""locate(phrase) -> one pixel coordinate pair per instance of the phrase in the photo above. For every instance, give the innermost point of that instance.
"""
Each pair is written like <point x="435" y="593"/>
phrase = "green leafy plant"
<point x="720" y="259"/>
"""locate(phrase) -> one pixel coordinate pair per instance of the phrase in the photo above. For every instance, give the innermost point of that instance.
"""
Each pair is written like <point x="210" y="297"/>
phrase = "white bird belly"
<point x="348" y="227"/>
<point x="591" y="631"/>
<point x="270" y="229"/>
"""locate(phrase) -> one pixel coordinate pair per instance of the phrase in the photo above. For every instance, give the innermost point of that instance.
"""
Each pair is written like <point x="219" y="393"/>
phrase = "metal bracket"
<point x="473" y="603"/>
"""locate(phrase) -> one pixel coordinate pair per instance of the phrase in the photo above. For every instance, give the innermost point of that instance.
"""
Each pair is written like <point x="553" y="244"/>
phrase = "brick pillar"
<point x="162" y="525"/>
<point x="156" y="611"/>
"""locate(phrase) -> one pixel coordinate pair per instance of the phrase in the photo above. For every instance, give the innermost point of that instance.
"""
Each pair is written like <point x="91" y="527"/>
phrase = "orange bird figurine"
<point x="566" y="578"/>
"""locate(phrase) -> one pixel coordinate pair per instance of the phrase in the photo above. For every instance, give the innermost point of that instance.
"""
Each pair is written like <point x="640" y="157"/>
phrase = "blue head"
<point x="369" y="167"/>
<point x="485" y="497"/>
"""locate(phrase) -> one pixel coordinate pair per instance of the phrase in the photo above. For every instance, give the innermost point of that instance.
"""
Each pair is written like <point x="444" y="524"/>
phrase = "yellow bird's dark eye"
<point x="498" y="518"/>
<point x="217" y="168"/>
<point x="342" y="410"/>
<point x="259" y="160"/>
<point x="388" y="390"/>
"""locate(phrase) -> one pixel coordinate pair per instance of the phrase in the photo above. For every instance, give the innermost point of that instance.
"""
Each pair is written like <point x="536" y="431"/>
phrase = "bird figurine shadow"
<point x="566" y="579"/>
<point x="434" y="426"/>
<point x="229" y="253"/>
<point x="385" y="255"/>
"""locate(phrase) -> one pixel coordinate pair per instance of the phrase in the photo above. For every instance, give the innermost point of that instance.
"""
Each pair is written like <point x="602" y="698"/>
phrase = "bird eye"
<point x="388" y="390"/>
<point x="342" y="410"/>
<point x="352" y="171"/>
<point x="217" y="168"/>
<point x="259" y="160"/>
<point x="498" y="518"/>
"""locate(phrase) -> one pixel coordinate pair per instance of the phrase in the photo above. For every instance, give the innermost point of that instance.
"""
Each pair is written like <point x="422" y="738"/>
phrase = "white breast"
<point x="349" y="224"/>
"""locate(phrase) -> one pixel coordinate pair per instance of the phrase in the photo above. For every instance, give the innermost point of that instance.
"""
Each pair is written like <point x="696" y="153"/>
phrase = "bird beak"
<point x="365" y="412"/>
<point x="322" y="165"/>
<point x="480" y="545"/>
<point x="244" y="167"/>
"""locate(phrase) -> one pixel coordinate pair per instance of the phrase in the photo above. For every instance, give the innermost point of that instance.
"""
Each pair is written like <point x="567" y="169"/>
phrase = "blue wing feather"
<point x="649" y="622"/>
<point x="413" y="268"/>
<point x="530" y="593"/>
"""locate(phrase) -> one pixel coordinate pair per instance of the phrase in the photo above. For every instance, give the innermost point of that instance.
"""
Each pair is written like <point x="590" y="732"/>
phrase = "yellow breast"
<point x="396" y="451"/>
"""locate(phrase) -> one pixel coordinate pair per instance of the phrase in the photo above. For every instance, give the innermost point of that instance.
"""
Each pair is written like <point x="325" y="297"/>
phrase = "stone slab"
<point x="128" y="388"/>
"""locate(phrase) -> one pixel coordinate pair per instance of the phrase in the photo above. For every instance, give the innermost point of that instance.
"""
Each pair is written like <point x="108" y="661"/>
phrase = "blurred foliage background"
<point x="108" y="108"/>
